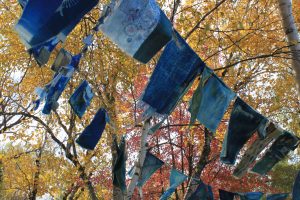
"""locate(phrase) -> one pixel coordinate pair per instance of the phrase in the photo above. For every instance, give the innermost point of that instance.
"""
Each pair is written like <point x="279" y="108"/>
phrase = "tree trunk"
<point x="36" y="176"/>
<point x="291" y="31"/>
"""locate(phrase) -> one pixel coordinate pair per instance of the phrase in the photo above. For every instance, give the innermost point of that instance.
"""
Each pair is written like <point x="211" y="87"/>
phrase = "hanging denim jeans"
<point x="244" y="121"/>
<point x="91" y="135"/>
<point x="63" y="58"/>
<point x="57" y="86"/>
<point x="43" y="20"/>
<point x="296" y="188"/>
<point x="177" y="68"/>
<point x="81" y="98"/>
<point x="203" y="191"/>
<point x="151" y="164"/>
<point x="119" y="167"/>
<point x="176" y="178"/>
<point x="224" y="195"/>
<point x="210" y="100"/>
<point x="251" y="196"/>
<point x="138" y="27"/>
<point x="273" y="132"/>
<point x="277" y="196"/>
<point x="279" y="149"/>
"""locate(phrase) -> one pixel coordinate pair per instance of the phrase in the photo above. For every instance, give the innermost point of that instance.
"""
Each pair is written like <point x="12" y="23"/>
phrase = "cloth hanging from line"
<point x="81" y="98"/>
<point x="296" y="187"/>
<point x="277" y="196"/>
<point x="151" y="164"/>
<point x="63" y="58"/>
<point x="203" y="191"/>
<point x="41" y="21"/>
<point x="119" y="166"/>
<point x="279" y="149"/>
<point x="251" y="195"/>
<point x="138" y="27"/>
<point x="176" y="178"/>
<point x="91" y="135"/>
<point x="244" y="121"/>
<point x="225" y="195"/>
<point x="210" y="100"/>
<point x="176" y="69"/>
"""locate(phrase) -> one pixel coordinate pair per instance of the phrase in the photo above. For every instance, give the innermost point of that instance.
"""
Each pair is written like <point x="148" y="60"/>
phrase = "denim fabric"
<point x="90" y="136"/>
<point x="63" y="58"/>
<point x="273" y="132"/>
<point x="22" y="3"/>
<point x="224" y="195"/>
<point x="81" y="98"/>
<point x="42" y="20"/>
<point x="203" y="191"/>
<point x="151" y="164"/>
<point x="177" y="67"/>
<point x="210" y="100"/>
<point x="251" y="196"/>
<point x="56" y="88"/>
<point x="296" y="188"/>
<point x="119" y="167"/>
<point x="277" y="196"/>
<point x="176" y="178"/>
<point x="244" y="121"/>
<point x="279" y="149"/>
<point x="138" y="27"/>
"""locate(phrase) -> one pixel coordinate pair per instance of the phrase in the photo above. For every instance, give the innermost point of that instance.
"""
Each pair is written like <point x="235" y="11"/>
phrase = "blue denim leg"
<point x="176" y="178"/>
<point x="177" y="67"/>
<point x="42" y="21"/>
<point x="119" y="167"/>
<point x="210" y="100"/>
<point x="138" y="27"/>
<point x="296" y="188"/>
<point x="251" y="196"/>
<point x="277" y="196"/>
<point x="91" y="135"/>
<point x="203" y="191"/>
<point x="81" y="98"/>
<point x="244" y="121"/>
<point x="224" y="195"/>
<point x="151" y="164"/>
<point x="279" y="149"/>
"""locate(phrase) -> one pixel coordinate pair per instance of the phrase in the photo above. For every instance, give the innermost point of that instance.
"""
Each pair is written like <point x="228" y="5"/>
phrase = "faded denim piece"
<point x="151" y="164"/>
<point x="277" y="196"/>
<point x="176" y="178"/>
<point x="279" y="149"/>
<point x="90" y="136"/>
<point x="244" y="121"/>
<point x="203" y="191"/>
<point x="81" y="98"/>
<point x="43" y="20"/>
<point x="296" y="188"/>
<point x="251" y="196"/>
<point x="273" y="132"/>
<point x="119" y="167"/>
<point x="210" y="100"/>
<point x="177" y="68"/>
<point x="63" y="58"/>
<point x="56" y="88"/>
<point x="22" y="3"/>
<point x="225" y="195"/>
<point x="138" y="27"/>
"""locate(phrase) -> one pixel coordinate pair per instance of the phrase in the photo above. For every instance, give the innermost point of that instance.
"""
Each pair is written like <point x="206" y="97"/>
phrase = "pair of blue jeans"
<point x="277" y="196"/>
<point x="225" y="195"/>
<point x="203" y="191"/>
<point x="296" y="188"/>
<point x="251" y="195"/>
<point x="244" y="121"/>
<point x="81" y="98"/>
<point x="138" y="27"/>
<point x="176" y="70"/>
<point x="210" y="100"/>
<point x="41" y="21"/>
<point x="91" y="135"/>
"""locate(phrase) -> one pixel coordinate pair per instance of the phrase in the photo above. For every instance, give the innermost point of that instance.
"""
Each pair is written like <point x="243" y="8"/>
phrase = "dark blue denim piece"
<point x="176" y="178"/>
<point x="279" y="149"/>
<point x="224" y="195"/>
<point x="43" y="20"/>
<point x="177" y="67"/>
<point x="151" y="164"/>
<point x="210" y="100"/>
<point x="119" y="167"/>
<point x="277" y="196"/>
<point x="90" y="136"/>
<point x="203" y="191"/>
<point x="81" y="98"/>
<point x="296" y="188"/>
<point x="244" y="121"/>
<point x="251" y="196"/>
